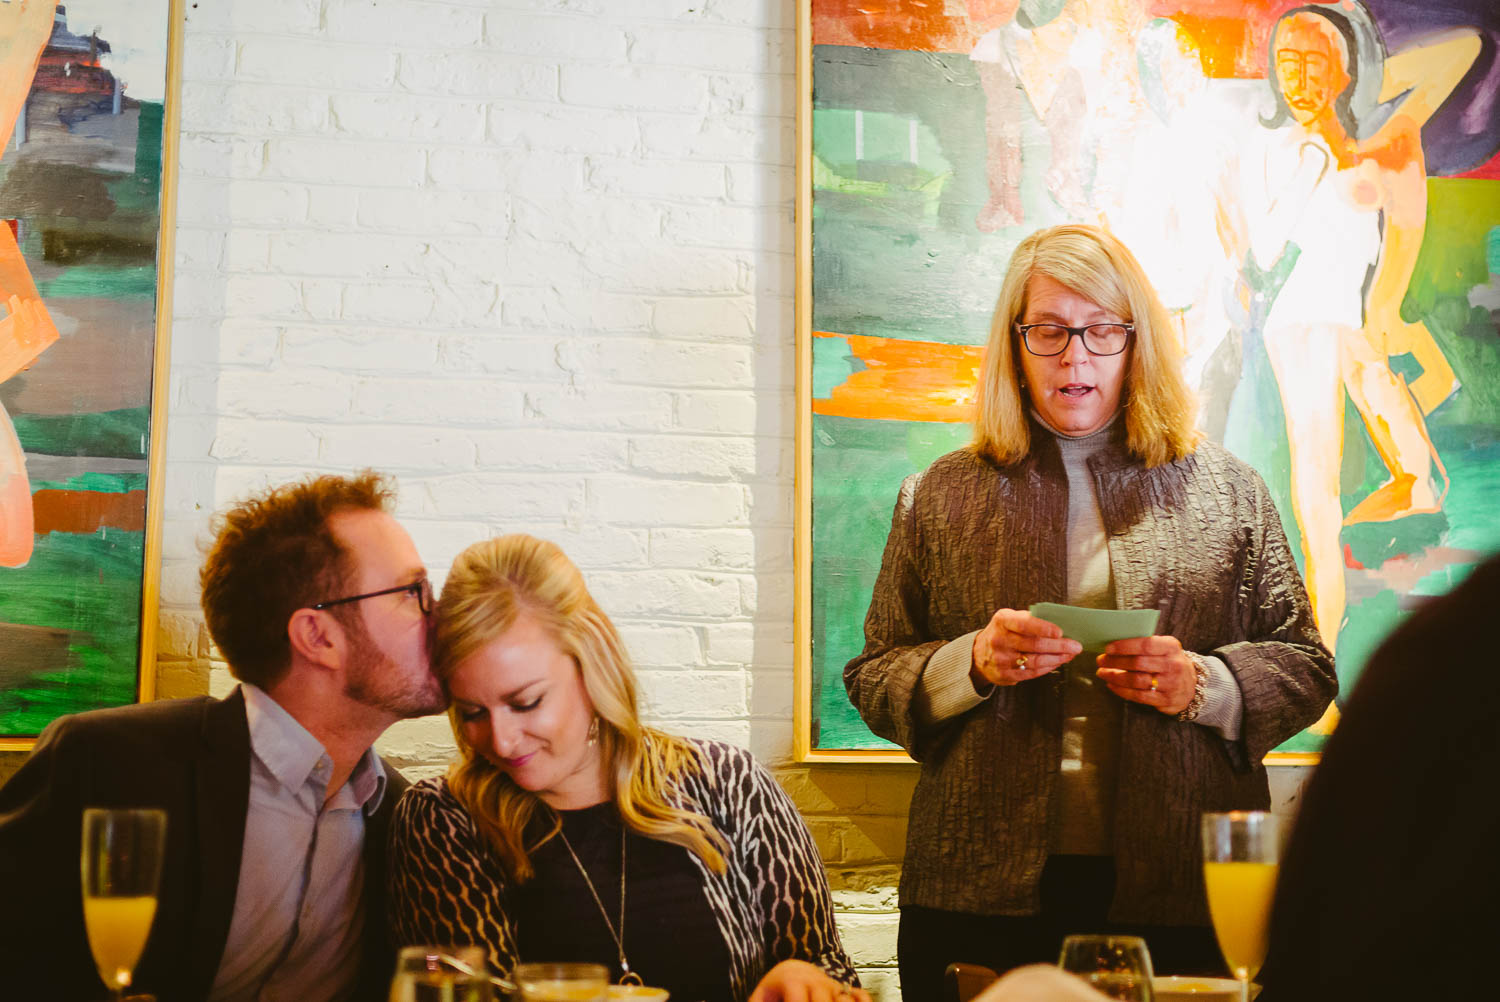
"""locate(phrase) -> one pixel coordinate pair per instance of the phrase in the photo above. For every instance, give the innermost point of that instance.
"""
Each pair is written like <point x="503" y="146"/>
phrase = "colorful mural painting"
<point x="1314" y="190"/>
<point x="82" y="100"/>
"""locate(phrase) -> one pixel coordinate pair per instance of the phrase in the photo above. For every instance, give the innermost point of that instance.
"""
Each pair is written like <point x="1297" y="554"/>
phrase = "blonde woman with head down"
<point x="569" y="831"/>
<point x="1061" y="791"/>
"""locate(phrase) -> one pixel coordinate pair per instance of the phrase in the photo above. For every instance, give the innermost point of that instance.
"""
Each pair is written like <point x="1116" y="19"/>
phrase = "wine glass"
<point x="121" y="861"/>
<point x="1118" y="966"/>
<point x="1239" y="871"/>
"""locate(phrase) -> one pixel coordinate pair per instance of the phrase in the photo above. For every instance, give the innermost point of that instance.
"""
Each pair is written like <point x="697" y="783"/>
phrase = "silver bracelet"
<point x="1200" y="690"/>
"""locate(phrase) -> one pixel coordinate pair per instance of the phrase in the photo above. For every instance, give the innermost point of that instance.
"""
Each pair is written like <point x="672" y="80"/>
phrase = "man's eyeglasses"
<point x="420" y="589"/>
<point x="1053" y="339"/>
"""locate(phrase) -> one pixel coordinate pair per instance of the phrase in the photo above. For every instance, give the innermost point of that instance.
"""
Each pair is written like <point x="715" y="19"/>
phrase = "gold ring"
<point x="1020" y="662"/>
<point x="1153" y="683"/>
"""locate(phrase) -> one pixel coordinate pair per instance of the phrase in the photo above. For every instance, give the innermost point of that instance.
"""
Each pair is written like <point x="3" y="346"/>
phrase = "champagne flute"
<point x="121" y="862"/>
<point x="1239" y="871"/>
<point x="1118" y="966"/>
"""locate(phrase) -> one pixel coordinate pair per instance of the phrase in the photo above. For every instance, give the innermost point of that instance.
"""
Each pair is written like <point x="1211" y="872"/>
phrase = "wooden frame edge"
<point x="162" y="369"/>
<point x="802" y="750"/>
<point x="1291" y="758"/>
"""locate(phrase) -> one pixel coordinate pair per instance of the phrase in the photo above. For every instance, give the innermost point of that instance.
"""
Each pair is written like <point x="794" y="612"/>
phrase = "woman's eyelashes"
<point x="472" y="713"/>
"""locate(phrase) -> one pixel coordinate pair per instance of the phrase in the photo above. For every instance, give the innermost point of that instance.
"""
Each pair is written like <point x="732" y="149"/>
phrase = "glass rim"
<point x="544" y="967"/>
<point x="1111" y="938"/>
<point x="141" y="812"/>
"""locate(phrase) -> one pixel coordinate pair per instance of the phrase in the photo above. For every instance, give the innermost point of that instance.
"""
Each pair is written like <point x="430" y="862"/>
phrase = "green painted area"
<point x="88" y="588"/>
<point x="148" y="144"/>
<point x="121" y="434"/>
<point x="896" y="252"/>
<point x="98" y="483"/>
<point x="860" y="468"/>
<point x="1455" y="254"/>
<point x="102" y="281"/>
<point x="833" y="364"/>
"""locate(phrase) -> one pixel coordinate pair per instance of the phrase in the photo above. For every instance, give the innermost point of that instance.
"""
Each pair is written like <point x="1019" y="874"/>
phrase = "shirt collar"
<point x="291" y="754"/>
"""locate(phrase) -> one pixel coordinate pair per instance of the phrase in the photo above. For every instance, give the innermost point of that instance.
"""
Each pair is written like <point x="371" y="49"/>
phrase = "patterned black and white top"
<point x="771" y="903"/>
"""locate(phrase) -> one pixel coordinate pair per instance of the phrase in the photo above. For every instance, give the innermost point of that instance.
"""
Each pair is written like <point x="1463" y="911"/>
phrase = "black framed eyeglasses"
<point x="420" y="589"/>
<point x="1053" y="339"/>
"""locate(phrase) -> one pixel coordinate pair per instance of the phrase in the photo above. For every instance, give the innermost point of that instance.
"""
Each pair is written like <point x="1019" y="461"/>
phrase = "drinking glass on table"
<point x="562" y="982"/>
<point x="441" y="974"/>
<point x="1239" y="870"/>
<point x="1118" y="966"/>
<point x="121" y="861"/>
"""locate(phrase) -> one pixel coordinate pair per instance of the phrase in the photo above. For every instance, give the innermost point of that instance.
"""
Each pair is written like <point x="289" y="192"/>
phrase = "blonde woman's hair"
<point x="492" y="585"/>
<point x="1159" y="407"/>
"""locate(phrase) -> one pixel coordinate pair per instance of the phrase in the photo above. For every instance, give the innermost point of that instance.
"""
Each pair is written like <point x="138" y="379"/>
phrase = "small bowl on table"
<point x="1191" y="988"/>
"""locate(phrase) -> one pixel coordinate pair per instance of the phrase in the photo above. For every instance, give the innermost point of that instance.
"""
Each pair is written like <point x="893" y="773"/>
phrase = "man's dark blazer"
<point x="190" y="757"/>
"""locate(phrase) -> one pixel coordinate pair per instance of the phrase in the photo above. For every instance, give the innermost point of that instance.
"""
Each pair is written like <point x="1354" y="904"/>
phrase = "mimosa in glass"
<point x="1239" y="871"/>
<point x="118" y="928"/>
<point x="121" y="868"/>
<point x="1239" y="899"/>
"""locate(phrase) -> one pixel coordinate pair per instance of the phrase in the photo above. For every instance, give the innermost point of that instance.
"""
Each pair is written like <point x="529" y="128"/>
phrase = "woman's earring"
<point x="593" y="732"/>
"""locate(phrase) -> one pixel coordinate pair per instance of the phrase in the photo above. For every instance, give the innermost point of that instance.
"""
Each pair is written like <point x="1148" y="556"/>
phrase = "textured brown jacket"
<point x="1199" y="540"/>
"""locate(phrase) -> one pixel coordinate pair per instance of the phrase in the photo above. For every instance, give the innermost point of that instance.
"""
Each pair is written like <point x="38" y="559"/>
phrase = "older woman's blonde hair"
<point x="1159" y="408"/>
<point x="490" y="587"/>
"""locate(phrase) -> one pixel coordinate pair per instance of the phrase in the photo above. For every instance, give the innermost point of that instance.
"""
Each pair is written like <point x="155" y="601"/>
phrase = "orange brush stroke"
<point x="905" y="381"/>
<point x="918" y="25"/>
<point x="1231" y="35"/>
<point x="88" y="511"/>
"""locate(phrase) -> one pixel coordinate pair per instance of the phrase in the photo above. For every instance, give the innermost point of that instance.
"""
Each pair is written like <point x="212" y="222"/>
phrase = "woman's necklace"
<point x="627" y="976"/>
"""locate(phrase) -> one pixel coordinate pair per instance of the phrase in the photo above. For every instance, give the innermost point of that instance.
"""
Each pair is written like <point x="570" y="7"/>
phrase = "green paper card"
<point x="1093" y="628"/>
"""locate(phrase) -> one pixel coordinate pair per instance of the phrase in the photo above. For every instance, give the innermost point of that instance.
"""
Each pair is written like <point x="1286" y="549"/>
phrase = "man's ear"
<point x="317" y="637"/>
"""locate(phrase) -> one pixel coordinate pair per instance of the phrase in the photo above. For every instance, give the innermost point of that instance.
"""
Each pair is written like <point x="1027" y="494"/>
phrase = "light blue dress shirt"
<point x="298" y="914"/>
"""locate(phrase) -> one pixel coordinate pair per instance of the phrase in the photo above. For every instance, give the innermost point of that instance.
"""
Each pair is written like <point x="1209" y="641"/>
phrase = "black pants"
<point x="1076" y="891"/>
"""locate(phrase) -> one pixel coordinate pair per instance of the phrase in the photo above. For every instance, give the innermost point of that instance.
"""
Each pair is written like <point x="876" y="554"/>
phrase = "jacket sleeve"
<point x="445" y="886"/>
<point x="40" y="823"/>
<point x="883" y="680"/>
<point x="1284" y="670"/>
<point x="795" y="907"/>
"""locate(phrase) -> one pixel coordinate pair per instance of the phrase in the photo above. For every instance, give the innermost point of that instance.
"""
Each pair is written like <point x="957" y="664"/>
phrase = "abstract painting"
<point x="1314" y="190"/>
<point x="83" y="109"/>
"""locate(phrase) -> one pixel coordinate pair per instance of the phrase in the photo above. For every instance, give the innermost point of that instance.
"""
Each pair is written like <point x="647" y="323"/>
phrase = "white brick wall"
<point x="535" y="258"/>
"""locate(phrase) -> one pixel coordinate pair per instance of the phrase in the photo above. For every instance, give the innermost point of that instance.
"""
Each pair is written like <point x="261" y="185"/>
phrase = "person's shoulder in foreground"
<point x="1392" y="865"/>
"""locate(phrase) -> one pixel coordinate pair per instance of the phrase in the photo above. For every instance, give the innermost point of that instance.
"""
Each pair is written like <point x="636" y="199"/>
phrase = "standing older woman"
<point x="568" y="831"/>
<point x="1059" y="794"/>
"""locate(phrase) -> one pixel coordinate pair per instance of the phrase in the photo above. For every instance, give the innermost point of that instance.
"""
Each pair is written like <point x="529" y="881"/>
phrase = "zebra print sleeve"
<point x="780" y="872"/>
<point x="445" y="886"/>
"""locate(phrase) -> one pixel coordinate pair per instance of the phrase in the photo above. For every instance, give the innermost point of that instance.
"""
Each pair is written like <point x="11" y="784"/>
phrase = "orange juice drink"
<point x="1239" y="899"/>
